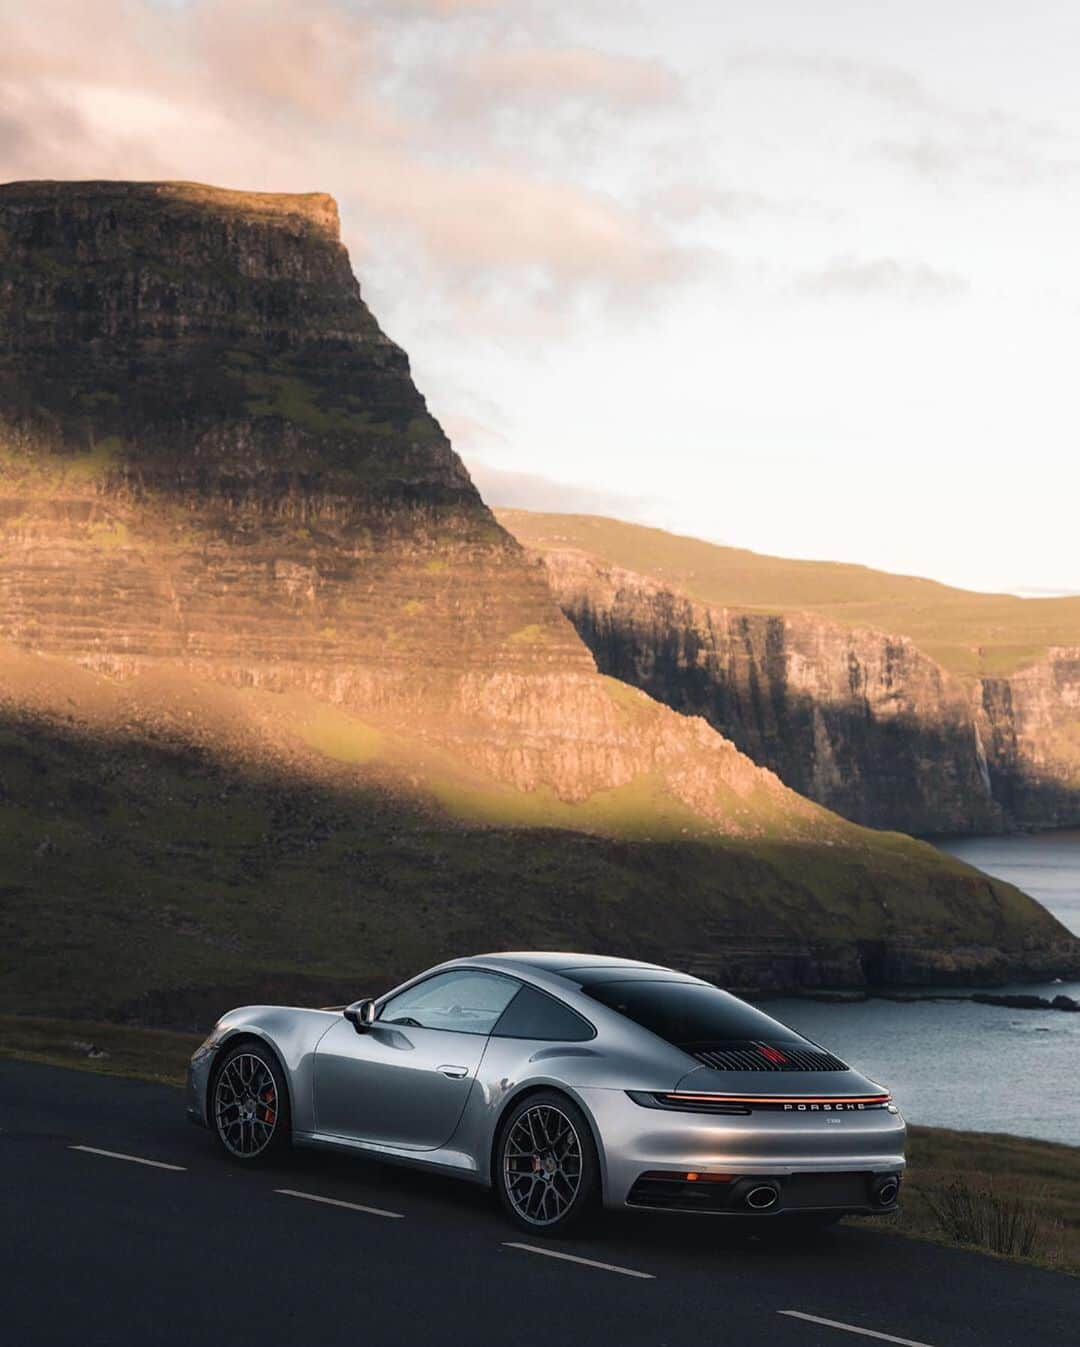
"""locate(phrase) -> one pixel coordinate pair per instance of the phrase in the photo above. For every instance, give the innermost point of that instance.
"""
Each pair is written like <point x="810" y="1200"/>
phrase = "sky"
<point x="797" y="278"/>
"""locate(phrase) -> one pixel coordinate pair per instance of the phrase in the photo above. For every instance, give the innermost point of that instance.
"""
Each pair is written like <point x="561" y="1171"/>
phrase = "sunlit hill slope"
<point x="286" y="712"/>
<point x="896" y="701"/>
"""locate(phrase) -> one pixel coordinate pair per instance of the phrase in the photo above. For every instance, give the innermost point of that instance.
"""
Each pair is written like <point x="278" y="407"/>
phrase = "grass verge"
<point x="1010" y="1196"/>
<point x="106" y="1049"/>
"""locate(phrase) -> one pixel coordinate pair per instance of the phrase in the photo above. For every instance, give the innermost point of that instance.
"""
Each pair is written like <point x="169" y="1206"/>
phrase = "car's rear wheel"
<point x="249" y="1105"/>
<point x="546" y="1172"/>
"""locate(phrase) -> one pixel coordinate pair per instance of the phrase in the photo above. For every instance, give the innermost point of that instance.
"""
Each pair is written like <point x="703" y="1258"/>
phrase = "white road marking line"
<point x="850" y="1328"/>
<point x="134" y="1159"/>
<point x="585" y="1262"/>
<point x="335" y="1202"/>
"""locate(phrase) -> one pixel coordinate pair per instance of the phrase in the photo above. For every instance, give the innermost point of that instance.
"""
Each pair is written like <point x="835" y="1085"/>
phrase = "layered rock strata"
<point x="224" y="503"/>
<point x="857" y="719"/>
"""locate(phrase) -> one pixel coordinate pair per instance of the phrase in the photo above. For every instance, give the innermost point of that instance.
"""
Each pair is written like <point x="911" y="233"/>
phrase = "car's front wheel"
<point x="546" y="1171"/>
<point x="249" y="1104"/>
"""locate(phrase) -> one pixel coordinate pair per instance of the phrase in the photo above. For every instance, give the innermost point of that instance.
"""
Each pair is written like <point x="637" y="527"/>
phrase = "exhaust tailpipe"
<point x="886" y="1190"/>
<point x="762" y="1197"/>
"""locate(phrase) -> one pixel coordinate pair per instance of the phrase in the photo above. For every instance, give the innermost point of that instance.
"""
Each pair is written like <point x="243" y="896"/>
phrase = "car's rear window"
<point x="685" y="1013"/>
<point x="534" y="1014"/>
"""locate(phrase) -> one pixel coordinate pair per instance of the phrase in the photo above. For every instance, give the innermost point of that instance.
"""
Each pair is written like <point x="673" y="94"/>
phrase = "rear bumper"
<point x="819" y="1161"/>
<point x="807" y="1193"/>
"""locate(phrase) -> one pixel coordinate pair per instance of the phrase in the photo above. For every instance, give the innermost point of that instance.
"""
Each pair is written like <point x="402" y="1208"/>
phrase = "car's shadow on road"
<point x="449" y="1202"/>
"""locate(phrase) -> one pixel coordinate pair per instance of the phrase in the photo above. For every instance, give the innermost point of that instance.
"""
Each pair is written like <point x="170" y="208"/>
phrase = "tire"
<point x="249" y="1105"/>
<point x="546" y="1172"/>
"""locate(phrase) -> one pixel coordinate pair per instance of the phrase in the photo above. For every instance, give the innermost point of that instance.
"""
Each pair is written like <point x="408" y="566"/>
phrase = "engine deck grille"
<point x="764" y="1057"/>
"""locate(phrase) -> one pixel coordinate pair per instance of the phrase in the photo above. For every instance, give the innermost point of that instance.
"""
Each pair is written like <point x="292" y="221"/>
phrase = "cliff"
<point x="863" y="720"/>
<point x="284" y="706"/>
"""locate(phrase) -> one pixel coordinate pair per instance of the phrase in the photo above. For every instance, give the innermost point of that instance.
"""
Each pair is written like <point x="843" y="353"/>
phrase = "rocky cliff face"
<point x="211" y="453"/>
<point x="861" y="721"/>
<point x="1030" y="726"/>
<point x="240" y="563"/>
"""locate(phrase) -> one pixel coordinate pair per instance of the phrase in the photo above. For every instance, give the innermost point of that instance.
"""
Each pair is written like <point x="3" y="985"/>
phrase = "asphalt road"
<point x="99" y="1249"/>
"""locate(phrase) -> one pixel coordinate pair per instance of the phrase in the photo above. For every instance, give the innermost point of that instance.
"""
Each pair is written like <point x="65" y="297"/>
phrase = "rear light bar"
<point x="863" y="1100"/>
<point x="744" y="1104"/>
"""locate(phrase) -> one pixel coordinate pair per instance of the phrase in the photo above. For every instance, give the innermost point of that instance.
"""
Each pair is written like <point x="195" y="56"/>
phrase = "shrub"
<point x="973" y="1213"/>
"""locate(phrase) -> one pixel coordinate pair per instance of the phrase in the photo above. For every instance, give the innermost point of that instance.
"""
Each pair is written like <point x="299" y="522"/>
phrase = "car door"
<point x="405" y="1082"/>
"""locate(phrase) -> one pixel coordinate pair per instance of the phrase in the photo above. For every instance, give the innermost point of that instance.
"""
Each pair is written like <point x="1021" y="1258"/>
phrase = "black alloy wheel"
<point x="249" y="1105"/>
<point x="547" y="1173"/>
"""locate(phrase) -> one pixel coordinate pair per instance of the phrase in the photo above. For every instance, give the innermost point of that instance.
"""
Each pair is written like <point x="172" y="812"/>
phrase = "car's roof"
<point x="575" y="965"/>
<point x="556" y="960"/>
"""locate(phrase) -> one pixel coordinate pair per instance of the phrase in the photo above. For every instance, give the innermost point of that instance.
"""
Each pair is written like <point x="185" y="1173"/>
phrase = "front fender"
<point x="292" y="1032"/>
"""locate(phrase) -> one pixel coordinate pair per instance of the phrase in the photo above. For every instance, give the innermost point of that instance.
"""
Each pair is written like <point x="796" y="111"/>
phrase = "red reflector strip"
<point x="694" y="1176"/>
<point x="700" y="1098"/>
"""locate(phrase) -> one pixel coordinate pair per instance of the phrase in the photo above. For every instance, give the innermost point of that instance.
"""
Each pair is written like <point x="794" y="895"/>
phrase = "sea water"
<point x="962" y="1065"/>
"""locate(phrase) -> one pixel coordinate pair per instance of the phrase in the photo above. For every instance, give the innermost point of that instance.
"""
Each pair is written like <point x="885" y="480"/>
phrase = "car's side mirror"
<point x="361" y="1014"/>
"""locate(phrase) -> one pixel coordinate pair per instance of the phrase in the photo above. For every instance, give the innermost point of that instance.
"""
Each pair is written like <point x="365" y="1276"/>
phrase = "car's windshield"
<point x="686" y="1013"/>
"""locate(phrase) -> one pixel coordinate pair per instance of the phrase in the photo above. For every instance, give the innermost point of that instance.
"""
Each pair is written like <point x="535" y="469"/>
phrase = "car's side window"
<point x="464" y="1000"/>
<point x="534" y="1014"/>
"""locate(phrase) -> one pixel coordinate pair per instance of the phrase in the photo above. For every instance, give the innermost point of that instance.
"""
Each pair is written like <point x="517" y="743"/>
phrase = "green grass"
<point x="641" y="809"/>
<point x="158" y="880"/>
<point x="299" y="401"/>
<point x="339" y="736"/>
<point x="969" y="633"/>
<point x="108" y="534"/>
<point x="1039" y="1176"/>
<point x="102" y="1048"/>
<point x="532" y="635"/>
<point x="46" y="473"/>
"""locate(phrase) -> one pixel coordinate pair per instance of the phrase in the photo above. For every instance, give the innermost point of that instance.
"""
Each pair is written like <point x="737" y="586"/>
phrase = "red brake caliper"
<point x="268" y="1105"/>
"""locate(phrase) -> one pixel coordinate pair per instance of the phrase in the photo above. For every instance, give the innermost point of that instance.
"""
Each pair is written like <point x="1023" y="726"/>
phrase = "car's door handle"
<point x="454" y="1072"/>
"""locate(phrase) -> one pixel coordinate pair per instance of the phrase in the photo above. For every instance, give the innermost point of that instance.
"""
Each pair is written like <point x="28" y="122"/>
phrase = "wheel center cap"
<point x="550" y="1164"/>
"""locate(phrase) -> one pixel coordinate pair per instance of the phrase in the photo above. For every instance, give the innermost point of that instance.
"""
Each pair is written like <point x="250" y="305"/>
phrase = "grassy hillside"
<point x="966" y="632"/>
<point x="169" y="846"/>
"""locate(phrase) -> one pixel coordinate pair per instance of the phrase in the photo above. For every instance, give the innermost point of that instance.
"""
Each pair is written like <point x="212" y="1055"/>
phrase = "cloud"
<point x="469" y="433"/>
<point x="889" y="83"/>
<point x="532" y="491"/>
<point x="251" y="93"/>
<point x="942" y="139"/>
<point x="440" y="8"/>
<point x="925" y="157"/>
<point x="305" y="60"/>
<point x="684" y="200"/>
<point x="493" y="219"/>
<point x="866" y="278"/>
<point x="991" y="161"/>
<point x="526" y="74"/>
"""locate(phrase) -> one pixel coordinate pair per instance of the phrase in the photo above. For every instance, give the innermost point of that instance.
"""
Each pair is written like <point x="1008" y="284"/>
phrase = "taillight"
<point x="824" y="1102"/>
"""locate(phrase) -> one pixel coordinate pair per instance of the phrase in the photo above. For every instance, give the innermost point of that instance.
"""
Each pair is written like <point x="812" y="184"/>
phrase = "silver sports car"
<point x="560" y="1080"/>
